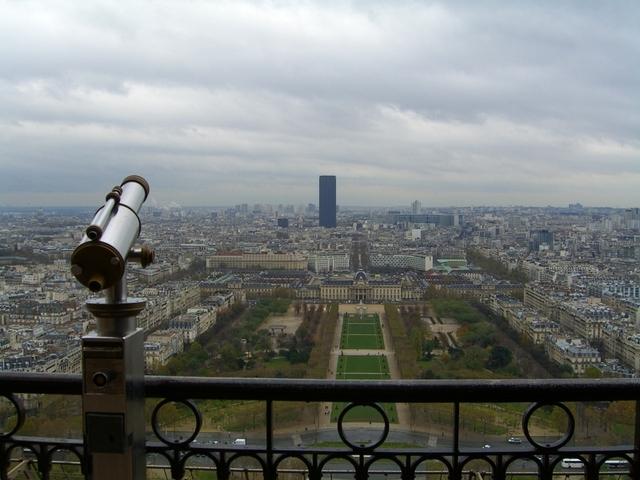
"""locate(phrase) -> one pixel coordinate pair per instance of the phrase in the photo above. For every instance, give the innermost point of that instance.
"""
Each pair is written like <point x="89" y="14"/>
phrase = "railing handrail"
<point x="317" y="390"/>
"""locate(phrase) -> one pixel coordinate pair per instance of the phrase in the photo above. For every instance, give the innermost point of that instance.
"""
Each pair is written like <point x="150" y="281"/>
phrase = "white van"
<point x="240" y="442"/>
<point x="572" y="463"/>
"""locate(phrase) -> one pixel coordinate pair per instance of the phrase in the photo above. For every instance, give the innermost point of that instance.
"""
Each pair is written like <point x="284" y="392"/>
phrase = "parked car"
<point x="514" y="440"/>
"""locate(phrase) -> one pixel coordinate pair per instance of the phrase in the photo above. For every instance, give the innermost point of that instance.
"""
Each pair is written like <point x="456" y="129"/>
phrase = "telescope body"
<point x="99" y="261"/>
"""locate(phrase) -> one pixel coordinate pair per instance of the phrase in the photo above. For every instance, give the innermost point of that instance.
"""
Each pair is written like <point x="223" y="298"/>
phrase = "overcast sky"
<point x="218" y="103"/>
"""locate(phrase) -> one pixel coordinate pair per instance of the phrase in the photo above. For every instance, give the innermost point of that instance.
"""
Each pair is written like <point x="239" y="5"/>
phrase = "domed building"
<point x="362" y="288"/>
<point x="361" y="276"/>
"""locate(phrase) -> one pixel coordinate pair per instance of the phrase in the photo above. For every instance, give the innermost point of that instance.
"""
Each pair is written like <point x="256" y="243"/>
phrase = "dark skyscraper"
<point x="328" y="201"/>
<point x="540" y="237"/>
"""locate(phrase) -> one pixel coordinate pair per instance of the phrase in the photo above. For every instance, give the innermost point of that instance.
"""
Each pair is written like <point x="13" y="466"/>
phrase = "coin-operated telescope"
<point x="113" y="356"/>
<point x="99" y="261"/>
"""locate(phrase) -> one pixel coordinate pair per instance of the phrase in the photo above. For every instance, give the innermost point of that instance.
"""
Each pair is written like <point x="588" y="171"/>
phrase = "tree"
<point x="429" y="346"/>
<point x="230" y="357"/>
<point x="428" y="373"/>
<point x="415" y="334"/>
<point x="592" y="372"/>
<point x="481" y="334"/>
<point x="475" y="358"/>
<point x="499" y="357"/>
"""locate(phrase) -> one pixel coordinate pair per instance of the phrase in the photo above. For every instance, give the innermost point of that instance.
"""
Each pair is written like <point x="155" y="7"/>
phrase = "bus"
<point x="615" y="464"/>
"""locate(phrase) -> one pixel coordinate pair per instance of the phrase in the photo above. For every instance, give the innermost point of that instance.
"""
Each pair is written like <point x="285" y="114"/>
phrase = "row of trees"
<point x="298" y="347"/>
<point x="404" y="346"/>
<point x="419" y="333"/>
<point x="324" y="336"/>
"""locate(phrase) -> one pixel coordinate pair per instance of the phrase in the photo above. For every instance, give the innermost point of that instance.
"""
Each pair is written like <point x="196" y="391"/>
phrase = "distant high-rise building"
<point x="328" y="201"/>
<point x="416" y="206"/>
<point x="283" y="222"/>
<point x="539" y="238"/>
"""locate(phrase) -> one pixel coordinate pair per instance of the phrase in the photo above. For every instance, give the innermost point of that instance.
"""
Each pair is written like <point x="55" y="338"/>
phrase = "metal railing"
<point x="184" y="455"/>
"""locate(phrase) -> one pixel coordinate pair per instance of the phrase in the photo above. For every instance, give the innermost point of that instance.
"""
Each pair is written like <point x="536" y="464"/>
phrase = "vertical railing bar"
<point x="313" y="474"/>
<point x="456" y="439"/>
<point x="269" y="413"/>
<point x="223" y="468"/>
<point x="4" y="459"/>
<point x="635" y="470"/>
<point x="500" y="472"/>
<point x="456" y="427"/>
<point x="592" y="468"/>
<point x="407" y="469"/>
<point x="547" y="473"/>
<point x="44" y="462"/>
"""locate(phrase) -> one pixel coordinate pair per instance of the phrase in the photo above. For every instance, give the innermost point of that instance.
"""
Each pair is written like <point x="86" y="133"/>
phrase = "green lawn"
<point x="360" y="329"/>
<point x="367" y="318"/>
<point x="362" y="332"/>
<point x="369" y="367"/>
<point x="364" y="414"/>
<point x="277" y="362"/>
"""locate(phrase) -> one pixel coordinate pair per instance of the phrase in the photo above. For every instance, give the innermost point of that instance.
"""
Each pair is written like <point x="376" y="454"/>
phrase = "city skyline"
<point x="451" y="103"/>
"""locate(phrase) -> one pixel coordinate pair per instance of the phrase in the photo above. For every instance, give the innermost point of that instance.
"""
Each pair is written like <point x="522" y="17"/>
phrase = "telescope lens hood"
<point x="140" y="180"/>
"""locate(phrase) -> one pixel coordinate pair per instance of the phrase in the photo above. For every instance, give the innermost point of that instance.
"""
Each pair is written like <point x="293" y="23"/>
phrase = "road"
<point x="412" y="440"/>
<point x="359" y="252"/>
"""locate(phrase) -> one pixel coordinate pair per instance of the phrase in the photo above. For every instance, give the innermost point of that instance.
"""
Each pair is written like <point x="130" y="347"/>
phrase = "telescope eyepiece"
<point x="95" y="285"/>
<point x="94" y="232"/>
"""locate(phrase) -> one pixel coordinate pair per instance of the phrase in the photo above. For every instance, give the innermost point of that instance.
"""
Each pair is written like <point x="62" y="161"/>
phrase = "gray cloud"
<point x="217" y="103"/>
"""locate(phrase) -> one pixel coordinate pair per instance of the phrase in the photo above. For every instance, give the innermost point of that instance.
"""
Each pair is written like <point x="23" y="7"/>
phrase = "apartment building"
<point x="573" y="352"/>
<point x="257" y="261"/>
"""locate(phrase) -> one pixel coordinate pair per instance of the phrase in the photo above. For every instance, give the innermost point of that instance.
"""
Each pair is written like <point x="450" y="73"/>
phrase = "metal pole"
<point x="635" y="467"/>
<point x="113" y="388"/>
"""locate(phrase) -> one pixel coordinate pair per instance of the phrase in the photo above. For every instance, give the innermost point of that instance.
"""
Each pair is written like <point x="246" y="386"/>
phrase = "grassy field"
<point x="362" y="332"/>
<point x="364" y="414"/>
<point x="363" y="367"/>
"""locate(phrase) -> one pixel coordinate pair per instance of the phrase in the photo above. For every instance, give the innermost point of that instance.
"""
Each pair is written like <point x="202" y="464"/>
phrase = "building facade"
<point x="257" y="261"/>
<point x="421" y="263"/>
<point x="573" y="352"/>
<point x="329" y="262"/>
